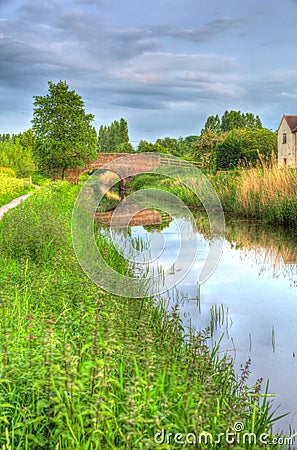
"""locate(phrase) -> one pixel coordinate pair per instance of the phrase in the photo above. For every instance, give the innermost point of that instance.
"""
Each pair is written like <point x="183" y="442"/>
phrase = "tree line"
<point x="63" y="137"/>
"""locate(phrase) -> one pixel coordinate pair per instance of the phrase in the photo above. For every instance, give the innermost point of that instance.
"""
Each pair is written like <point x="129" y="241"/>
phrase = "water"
<point x="253" y="288"/>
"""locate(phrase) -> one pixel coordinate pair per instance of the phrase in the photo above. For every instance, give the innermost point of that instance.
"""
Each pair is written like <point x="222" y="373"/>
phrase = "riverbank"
<point x="268" y="194"/>
<point x="264" y="193"/>
<point x="80" y="368"/>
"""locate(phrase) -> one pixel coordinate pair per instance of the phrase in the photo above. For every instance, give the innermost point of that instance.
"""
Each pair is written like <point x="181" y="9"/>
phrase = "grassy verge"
<point x="11" y="187"/>
<point x="82" y="369"/>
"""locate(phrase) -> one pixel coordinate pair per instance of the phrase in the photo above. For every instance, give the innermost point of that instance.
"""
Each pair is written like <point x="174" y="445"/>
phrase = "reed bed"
<point x="266" y="193"/>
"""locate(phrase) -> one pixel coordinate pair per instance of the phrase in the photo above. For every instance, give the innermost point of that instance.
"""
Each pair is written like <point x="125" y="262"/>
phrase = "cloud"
<point x="292" y="95"/>
<point x="46" y="40"/>
<point x="207" y="32"/>
<point x="165" y="66"/>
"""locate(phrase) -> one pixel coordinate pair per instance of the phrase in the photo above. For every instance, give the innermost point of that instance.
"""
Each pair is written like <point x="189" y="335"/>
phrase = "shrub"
<point x="245" y="146"/>
<point x="11" y="187"/>
<point x="7" y="171"/>
<point x="40" y="179"/>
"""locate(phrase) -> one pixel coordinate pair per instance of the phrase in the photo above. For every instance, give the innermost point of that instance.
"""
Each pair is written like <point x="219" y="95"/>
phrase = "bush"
<point x="11" y="187"/>
<point x="40" y="179"/>
<point x="245" y="146"/>
<point x="7" y="171"/>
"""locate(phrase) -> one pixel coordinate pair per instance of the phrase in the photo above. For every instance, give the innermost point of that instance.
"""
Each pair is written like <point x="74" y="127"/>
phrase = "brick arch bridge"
<point x="140" y="163"/>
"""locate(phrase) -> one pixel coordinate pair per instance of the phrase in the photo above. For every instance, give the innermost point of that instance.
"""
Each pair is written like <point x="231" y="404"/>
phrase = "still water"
<point x="250" y="299"/>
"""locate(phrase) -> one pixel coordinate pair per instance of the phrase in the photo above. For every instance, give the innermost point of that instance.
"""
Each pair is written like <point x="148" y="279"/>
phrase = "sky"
<point x="163" y="65"/>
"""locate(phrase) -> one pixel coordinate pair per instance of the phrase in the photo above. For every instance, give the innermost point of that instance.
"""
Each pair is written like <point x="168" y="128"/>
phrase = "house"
<point x="287" y="142"/>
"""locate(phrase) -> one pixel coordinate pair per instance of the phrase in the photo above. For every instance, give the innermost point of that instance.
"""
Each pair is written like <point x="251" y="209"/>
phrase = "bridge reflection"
<point x="141" y="218"/>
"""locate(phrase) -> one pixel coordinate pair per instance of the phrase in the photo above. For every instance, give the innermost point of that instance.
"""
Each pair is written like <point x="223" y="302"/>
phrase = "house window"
<point x="285" y="162"/>
<point x="284" y="138"/>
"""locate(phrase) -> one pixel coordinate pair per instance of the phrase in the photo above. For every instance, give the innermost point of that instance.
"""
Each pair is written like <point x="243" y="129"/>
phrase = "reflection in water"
<point x="145" y="217"/>
<point x="251" y="298"/>
<point x="275" y="248"/>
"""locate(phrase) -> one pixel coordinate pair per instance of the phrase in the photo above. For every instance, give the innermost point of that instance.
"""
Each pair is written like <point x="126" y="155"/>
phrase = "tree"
<point x="17" y="156"/>
<point x="204" y="149"/>
<point x="65" y="137"/>
<point x="245" y="147"/>
<point x="231" y="120"/>
<point x="213" y="123"/>
<point x="114" y="138"/>
<point x="145" y="146"/>
<point x="27" y="140"/>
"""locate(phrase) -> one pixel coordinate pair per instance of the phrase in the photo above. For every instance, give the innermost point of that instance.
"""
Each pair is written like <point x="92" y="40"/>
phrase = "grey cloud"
<point x="126" y="68"/>
<point x="205" y="33"/>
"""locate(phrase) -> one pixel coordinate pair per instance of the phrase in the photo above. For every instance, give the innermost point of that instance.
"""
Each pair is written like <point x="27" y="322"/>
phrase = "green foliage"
<point x="114" y="138"/>
<point x="7" y="171"/>
<point x="27" y="140"/>
<point x="33" y="232"/>
<point x="39" y="178"/>
<point x="11" y="187"/>
<point x="213" y="123"/>
<point x="65" y="137"/>
<point x="264" y="193"/>
<point x="171" y="145"/>
<point x="204" y="149"/>
<point x="144" y="181"/>
<point x="177" y="147"/>
<point x="16" y="153"/>
<point x="5" y="137"/>
<point x="145" y="146"/>
<point x="228" y="152"/>
<point x="244" y="146"/>
<point x="231" y="120"/>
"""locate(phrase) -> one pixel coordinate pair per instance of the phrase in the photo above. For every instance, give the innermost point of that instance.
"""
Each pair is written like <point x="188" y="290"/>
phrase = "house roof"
<point x="292" y="122"/>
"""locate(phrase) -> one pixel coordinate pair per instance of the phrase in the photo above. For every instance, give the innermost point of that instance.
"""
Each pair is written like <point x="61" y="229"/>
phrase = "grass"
<point x="172" y="185"/>
<point x="82" y="369"/>
<point x="11" y="187"/>
<point x="40" y="179"/>
<point x="264" y="193"/>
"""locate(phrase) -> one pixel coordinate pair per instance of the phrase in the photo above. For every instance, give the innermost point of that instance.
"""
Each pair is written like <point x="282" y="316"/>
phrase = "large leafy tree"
<point x="65" y="137"/>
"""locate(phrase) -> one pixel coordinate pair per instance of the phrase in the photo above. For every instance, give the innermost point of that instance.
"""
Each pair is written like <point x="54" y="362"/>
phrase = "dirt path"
<point x="15" y="202"/>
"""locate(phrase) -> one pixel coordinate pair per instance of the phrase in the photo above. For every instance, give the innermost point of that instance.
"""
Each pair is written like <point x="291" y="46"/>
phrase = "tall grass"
<point x="82" y="369"/>
<point x="265" y="193"/>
